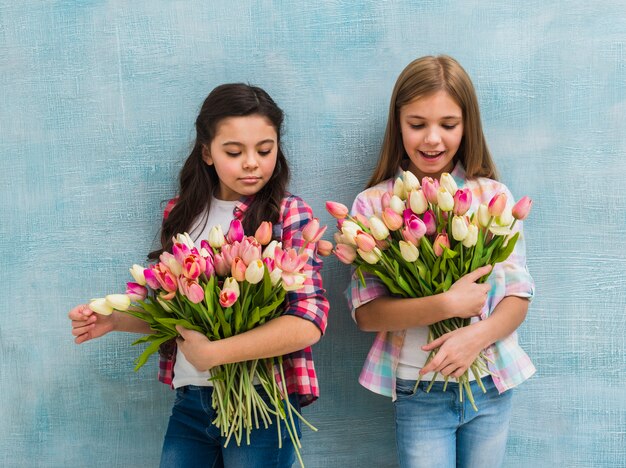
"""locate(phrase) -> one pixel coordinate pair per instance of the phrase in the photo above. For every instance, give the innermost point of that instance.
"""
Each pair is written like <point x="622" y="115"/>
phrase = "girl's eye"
<point x="449" y="127"/>
<point x="417" y="126"/>
<point x="232" y="155"/>
<point x="265" y="153"/>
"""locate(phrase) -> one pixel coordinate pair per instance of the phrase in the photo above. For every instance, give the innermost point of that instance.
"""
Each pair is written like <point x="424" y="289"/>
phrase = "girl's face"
<point x="244" y="152"/>
<point x="432" y="130"/>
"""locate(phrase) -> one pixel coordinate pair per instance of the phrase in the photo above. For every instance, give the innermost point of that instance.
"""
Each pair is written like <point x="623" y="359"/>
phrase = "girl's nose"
<point x="250" y="161"/>
<point x="432" y="137"/>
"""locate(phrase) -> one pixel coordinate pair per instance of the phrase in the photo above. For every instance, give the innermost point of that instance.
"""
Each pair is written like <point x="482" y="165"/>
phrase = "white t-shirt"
<point x="221" y="213"/>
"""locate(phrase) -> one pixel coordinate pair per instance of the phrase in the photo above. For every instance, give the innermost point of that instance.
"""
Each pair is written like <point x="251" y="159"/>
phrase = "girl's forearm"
<point x="393" y="313"/>
<point x="127" y="323"/>
<point x="280" y="336"/>
<point x="504" y="320"/>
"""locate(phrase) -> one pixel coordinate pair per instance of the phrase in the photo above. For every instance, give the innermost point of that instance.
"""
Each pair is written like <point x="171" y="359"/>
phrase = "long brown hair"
<point x="424" y="77"/>
<point x="198" y="180"/>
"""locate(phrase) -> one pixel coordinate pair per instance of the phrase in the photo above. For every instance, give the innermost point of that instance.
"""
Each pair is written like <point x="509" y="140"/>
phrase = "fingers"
<point x="478" y="273"/>
<point x="80" y="312"/>
<point x="435" y="343"/>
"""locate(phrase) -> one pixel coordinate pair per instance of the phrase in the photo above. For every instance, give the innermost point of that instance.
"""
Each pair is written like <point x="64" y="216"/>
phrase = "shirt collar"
<point x="241" y="206"/>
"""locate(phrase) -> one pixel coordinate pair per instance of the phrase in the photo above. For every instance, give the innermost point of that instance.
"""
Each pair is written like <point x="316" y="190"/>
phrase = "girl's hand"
<point x="197" y="348"/>
<point x="457" y="351"/>
<point x="466" y="298"/>
<point x="87" y="325"/>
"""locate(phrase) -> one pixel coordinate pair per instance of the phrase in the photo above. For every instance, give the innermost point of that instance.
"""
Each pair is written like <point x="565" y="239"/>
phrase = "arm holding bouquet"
<point x="304" y="318"/>
<point x="278" y="337"/>
<point x="464" y="299"/>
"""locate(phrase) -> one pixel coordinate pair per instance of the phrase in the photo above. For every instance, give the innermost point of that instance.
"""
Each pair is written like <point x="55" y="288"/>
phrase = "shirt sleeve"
<point x="357" y="293"/>
<point x="309" y="302"/>
<point x="512" y="274"/>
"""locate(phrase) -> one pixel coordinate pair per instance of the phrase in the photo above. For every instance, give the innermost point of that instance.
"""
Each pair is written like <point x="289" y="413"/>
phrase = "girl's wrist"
<point x="482" y="332"/>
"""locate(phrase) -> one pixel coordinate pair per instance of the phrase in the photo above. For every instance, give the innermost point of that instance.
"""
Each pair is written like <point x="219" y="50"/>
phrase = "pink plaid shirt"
<point x="510" y="278"/>
<point x="308" y="302"/>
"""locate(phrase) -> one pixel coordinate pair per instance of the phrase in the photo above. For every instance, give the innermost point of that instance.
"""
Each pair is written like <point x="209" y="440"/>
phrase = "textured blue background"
<point x="97" y="104"/>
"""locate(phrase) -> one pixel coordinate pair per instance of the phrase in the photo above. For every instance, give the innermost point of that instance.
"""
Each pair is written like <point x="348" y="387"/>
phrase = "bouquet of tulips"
<point x="424" y="240"/>
<point x="227" y="286"/>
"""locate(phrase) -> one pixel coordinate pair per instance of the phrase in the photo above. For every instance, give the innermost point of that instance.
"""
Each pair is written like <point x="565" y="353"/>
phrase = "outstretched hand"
<point x="87" y="325"/>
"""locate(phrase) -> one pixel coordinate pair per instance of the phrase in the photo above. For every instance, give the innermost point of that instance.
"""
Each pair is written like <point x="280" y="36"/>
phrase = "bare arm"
<point x="87" y="325"/>
<point x="459" y="348"/>
<point x="464" y="299"/>
<point x="282" y="335"/>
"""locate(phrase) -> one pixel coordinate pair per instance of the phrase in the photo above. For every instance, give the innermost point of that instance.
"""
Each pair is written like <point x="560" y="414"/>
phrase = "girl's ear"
<point x="206" y="155"/>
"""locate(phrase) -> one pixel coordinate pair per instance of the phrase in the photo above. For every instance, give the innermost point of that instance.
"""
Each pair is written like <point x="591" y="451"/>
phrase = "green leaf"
<point x="507" y="250"/>
<point x="150" y="350"/>
<point x="391" y="285"/>
<point x="361" y="277"/>
<point x="428" y="254"/>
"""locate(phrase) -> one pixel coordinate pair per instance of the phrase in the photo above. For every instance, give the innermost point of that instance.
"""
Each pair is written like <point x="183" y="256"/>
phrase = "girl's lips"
<point x="250" y="180"/>
<point x="431" y="154"/>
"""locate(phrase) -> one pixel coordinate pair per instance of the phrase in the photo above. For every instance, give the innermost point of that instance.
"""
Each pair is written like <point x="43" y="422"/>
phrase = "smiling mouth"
<point x="431" y="154"/>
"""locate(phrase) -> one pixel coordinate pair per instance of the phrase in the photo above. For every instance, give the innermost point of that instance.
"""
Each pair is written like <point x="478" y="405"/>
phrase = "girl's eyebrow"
<point x="445" y="117"/>
<point x="267" y="140"/>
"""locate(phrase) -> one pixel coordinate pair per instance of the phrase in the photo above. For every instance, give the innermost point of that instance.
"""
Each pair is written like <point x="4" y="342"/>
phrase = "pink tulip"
<point x="289" y="261"/>
<point x="250" y="251"/>
<point x="192" y="290"/>
<point x="167" y="296"/>
<point x="430" y="222"/>
<point x="430" y="187"/>
<point x="136" y="292"/>
<point x="415" y="226"/>
<point x="269" y="263"/>
<point x="392" y="220"/>
<point x="238" y="269"/>
<point x="522" y="208"/>
<point x="230" y="251"/>
<point x="312" y="232"/>
<point x="336" y="210"/>
<point x="222" y="267"/>
<point x="193" y="266"/>
<point x="263" y="234"/>
<point x="462" y="202"/>
<point x="167" y="280"/>
<point x="497" y="204"/>
<point x="170" y="261"/>
<point x="151" y="279"/>
<point x="235" y="231"/>
<point x="180" y="251"/>
<point x="407" y="236"/>
<point x="364" y="241"/>
<point x="228" y="297"/>
<point x="385" y="200"/>
<point x="441" y="241"/>
<point x="362" y="220"/>
<point x="324" y="248"/>
<point x="345" y="253"/>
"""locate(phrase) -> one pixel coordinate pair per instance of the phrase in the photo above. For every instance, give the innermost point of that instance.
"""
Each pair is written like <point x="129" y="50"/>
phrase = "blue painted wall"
<point x="97" y="104"/>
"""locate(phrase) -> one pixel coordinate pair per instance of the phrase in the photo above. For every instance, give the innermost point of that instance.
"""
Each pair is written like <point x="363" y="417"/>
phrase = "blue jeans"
<point x="436" y="430"/>
<point x="193" y="441"/>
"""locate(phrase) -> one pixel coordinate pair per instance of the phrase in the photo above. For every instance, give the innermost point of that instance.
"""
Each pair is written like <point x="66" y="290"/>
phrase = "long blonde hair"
<point x="424" y="77"/>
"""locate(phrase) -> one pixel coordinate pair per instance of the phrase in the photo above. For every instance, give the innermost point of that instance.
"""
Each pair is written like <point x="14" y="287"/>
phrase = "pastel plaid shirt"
<point x="511" y="366"/>
<point x="308" y="302"/>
